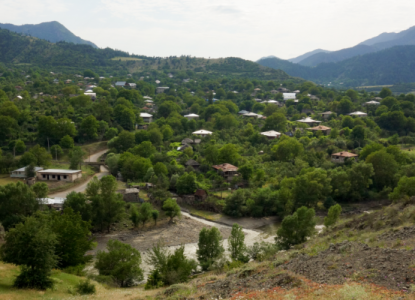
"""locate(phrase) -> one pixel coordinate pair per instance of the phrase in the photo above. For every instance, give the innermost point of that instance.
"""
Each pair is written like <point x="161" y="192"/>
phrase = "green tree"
<point x="385" y="92"/>
<point x="171" y="208"/>
<point x="277" y="121"/>
<point x="135" y="216"/>
<point x="360" y="177"/>
<point x="31" y="245"/>
<point x="66" y="142"/>
<point x="41" y="155"/>
<point x="145" y="212"/>
<point x="333" y="215"/>
<point x="186" y="184"/>
<point x="160" y="169"/>
<point x="56" y="151"/>
<point x="107" y="205"/>
<point x="287" y="149"/>
<point x="89" y="127"/>
<point x="121" y="262"/>
<point x="296" y="228"/>
<point x="145" y="149"/>
<point x="236" y="243"/>
<point x="229" y="154"/>
<point x="123" y="142"/>
<point x="30" y="170"/>
<point x="73" y="236"/>
<point x="406" y="187"/>
<point x="19" y="147"/>
<point x="40" y="189"/>
<point x="76" y="158"/>
<point x="16" y="202"/>
<point x="155" y="216"/>
<point x="246" y="171"/>
<point x="79" y="203"/>
<point x="385" y="167"/>
<point x="209" y="247"/>
<point x="369" y="149"/>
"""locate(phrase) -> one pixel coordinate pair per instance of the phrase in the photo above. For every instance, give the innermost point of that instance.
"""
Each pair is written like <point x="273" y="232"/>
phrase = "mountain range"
<point x="51" y="31"/>
<point x="380" y="42"/>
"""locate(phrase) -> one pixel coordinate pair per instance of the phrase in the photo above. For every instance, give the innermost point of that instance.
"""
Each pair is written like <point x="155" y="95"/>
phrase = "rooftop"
<point x="345" y="154"/>
<point x="271" y="133"/>
<point x="308" y="120"/>
<point x="145" y="115"/>
<point x="320" y="127"/>
<point x="202" y="131"/>
<point x="358" y="113"/>
<point x="226" y="167"/>
<point x="60" y="171"/>
<point x="24" y="169"/>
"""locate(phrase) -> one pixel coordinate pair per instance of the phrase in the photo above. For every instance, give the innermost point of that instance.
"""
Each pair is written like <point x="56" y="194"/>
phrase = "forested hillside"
<point x="394" y="65"/>
<point x="51" y="31"/>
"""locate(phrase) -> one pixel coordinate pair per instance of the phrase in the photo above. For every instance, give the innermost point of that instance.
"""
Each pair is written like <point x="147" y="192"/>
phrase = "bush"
<point x="333" y="215"/>
<point x="33" y="279"/>
<point x="121" y="262"/>
<point x="154" y="280"/>
<point x="296" y="228"/>
<point x="85" y="287"/>
<point x="75" y="270"/>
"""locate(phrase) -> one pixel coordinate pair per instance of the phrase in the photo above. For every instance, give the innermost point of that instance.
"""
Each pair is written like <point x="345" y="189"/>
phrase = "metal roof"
<point x="60" y="171"/>
<point x="24" y="169"/>
<point x="145" y="115"/>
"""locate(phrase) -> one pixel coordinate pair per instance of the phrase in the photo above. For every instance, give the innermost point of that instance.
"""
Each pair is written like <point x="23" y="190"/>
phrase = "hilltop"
<point x="51" y="31"/>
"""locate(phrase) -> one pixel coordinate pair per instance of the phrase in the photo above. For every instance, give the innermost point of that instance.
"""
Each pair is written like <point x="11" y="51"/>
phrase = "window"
<point x="53" y="176"/>
<point x="44" y="176"/>
<point x="64" y="176"/>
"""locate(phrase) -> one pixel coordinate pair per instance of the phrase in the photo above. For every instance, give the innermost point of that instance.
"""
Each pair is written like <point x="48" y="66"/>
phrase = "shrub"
<point x="209" y="247"/>
<point x="333" y="215"/>
<point x="154" y="280"/>
<point x="85" y="287"/>
<point x="121" y="262"/>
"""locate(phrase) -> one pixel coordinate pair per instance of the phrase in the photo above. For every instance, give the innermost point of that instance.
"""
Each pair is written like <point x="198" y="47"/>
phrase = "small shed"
<point x="326" y="114"/>
<point x="341" y="157"/>
<point x="201" y="195"/>
<point x="324" y="129"/>
<point x="193" y="164"/>
<point x="131" y="195"/>
<point x="21" y="173"/>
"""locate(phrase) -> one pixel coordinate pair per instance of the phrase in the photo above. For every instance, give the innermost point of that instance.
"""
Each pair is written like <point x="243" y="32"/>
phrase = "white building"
<point x="288" y="96"/>
<point x="21" y="173"/>
<point x="358" y="114"/>
<point x="202" y="133"/>
<point x="59" y="175"/>
<point x="191" y="116"/>
<point x="271" y="134"/>
<point x="146" y="117"/>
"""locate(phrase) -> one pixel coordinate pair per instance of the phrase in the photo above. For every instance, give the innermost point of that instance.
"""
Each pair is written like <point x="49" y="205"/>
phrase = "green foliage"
<point x="287" y="149"/>
<point x="209" y="247"/>
<point x="186" y="184"/>
<point x="154" y="281"/>
<point x="333" y="215"/>
<point x="121" y="262"/>
<point x="76" y="158"/>
<point x="406" y="187"/>
<point x="40" y="189"/>
<point x="79" y="203"/>
<point x="171" y="209"/>
<point x="85" y="287"/>
<point x="236" y="243"/>
<point x="31" y="245"/>
<point x="171" y="268"/>
<point x="66" y="142"/>
<point x="296" y="228"/>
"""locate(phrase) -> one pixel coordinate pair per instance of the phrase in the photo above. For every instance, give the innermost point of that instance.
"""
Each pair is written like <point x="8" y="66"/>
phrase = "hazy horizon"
<point x="283" y="28"/>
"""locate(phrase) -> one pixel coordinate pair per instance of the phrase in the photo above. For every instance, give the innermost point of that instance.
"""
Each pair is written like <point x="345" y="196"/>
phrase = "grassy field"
<point x="64" y="288"/>
<point x="5" y="179"/>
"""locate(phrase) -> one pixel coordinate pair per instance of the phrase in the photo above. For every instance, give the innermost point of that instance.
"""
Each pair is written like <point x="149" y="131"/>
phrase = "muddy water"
<point x="251" y="236"/>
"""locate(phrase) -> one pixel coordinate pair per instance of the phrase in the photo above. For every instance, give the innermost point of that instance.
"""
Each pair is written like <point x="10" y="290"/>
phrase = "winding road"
<point x="81" y="188"/>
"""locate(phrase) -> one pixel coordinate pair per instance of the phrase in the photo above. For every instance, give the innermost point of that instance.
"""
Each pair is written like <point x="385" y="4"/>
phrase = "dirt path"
<point x="94" y="157"/>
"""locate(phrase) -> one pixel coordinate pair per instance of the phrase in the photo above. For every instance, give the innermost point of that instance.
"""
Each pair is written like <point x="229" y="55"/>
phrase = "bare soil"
<point x="182" y="231"/>
<point x="350" y="261"/>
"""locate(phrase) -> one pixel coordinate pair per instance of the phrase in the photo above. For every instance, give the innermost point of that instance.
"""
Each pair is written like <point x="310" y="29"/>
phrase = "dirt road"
<point x="81" y="188"/>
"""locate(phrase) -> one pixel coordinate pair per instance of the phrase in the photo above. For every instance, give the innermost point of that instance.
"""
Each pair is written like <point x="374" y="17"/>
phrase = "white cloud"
<point x="219" y="28"/>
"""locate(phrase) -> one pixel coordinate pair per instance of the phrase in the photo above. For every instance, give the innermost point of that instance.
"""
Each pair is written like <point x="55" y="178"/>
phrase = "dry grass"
<point x="6" y="179"/>
<point x="94" y="147"/>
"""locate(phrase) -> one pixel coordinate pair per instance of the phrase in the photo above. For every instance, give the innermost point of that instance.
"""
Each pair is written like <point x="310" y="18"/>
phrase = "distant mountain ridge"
<point x="51" y="31"/>
<point x="380" y="42"/>
<point x="388" y="66"/>
<point x="307" y="55"/>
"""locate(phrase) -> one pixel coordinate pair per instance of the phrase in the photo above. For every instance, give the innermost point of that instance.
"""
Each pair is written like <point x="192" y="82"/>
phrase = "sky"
<point x="218" y="28"/>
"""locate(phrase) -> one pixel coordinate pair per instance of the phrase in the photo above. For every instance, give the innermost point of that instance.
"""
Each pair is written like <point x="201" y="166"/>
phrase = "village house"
<point x="341" y="157"/>
<point x="161" y="89"/>
<point x="358" y="114"/>
<point x="68" y="81"/>
<point x="120" y="84"/>
<point x="131" y="195"/>
<point x="191" y="116"/>
<point x="271" y="135"/>
<point x="147" y="118"/>
<point x="59" y="175"/>
<point x="242" y="112"/>
<point x="202" y="133"/>
<point x="192" y="163"/>
<point x="131" y="85"/>
<point x="52" y="203"/>
<point x="190" y="141"/>
<point x="309" y="121"/>
<point x="283" y="90"/>
<point x="373" y="102"/>
<point x="326" y="114"/>
<point x="324" y="129"/>
<point x="184" y="146"/>
<point x="21" y="173"/>
<point x="92" y="95"/>
<point x="200" y="195"/>
<point x="289" y="96"/>
<point x="228" y="171"/>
